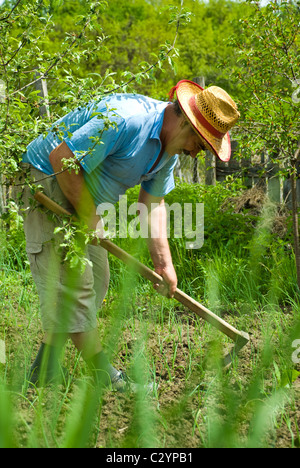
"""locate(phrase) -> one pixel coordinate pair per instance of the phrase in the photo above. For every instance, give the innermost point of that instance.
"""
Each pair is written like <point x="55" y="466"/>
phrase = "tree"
<point x="134" y="29"/>
<point x="202" y="44"/>
<point x="24" y="57"/>
<point x="58" y="41"/>
<point x="268" y="63"/>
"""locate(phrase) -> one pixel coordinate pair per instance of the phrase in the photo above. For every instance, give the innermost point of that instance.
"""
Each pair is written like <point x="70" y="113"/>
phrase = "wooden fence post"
<point x="287" y="189"/>
<point x="41" y="85"/>
<point x="274" y="184"/>
<point x="210" y="168"/>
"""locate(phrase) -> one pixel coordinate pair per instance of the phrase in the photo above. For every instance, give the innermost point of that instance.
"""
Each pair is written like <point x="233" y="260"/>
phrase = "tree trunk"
<point x="295" y="221"/>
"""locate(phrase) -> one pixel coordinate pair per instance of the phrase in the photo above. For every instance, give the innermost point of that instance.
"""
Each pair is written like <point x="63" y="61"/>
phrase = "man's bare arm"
<point x="74" y="187"/>
<point x="157" y="241"/>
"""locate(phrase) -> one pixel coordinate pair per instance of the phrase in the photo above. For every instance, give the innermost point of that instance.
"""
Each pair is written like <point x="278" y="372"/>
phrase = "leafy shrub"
<point x="12" y="245"/>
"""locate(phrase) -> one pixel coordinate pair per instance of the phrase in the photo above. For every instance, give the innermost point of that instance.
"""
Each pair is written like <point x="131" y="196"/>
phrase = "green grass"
<point x="254" y="404"/>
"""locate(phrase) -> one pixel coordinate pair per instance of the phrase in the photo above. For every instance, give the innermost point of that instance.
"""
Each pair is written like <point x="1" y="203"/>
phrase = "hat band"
<point x="203" y="120"/>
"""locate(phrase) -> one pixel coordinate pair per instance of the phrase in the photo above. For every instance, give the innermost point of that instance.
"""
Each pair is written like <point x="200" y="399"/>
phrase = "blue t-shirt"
<point x="115" y="156"/>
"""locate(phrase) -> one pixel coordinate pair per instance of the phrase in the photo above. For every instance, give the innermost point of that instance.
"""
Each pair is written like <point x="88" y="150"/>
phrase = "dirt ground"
<point x="184" y="399"/>
<point x="188" y="398"/>
<point x="184" y="411"/>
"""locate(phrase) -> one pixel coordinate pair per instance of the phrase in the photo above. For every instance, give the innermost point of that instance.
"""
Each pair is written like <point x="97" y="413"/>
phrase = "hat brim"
<point x="221" y="147"/>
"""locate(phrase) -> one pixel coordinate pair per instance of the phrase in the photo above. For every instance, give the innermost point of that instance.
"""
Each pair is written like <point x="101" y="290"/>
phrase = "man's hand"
<point x="168" y="286"/>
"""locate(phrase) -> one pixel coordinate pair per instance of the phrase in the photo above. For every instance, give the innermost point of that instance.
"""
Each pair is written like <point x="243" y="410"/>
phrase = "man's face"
<point x="185" y="141"/>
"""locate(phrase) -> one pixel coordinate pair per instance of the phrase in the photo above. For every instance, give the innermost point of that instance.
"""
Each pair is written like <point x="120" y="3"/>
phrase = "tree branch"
<point x="11" y="12"/>
<point x="57" y="59"/>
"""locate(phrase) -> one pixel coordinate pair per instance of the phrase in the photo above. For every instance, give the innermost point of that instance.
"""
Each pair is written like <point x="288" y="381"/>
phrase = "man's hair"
<point x="177" y="108"/>
<point x="179" y="112"/>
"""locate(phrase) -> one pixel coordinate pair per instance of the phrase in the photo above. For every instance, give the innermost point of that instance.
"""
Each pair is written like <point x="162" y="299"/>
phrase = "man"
<point x="122" y="141"/>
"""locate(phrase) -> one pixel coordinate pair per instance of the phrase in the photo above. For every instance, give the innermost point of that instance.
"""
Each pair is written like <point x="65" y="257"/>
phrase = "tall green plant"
<point x="6" y="419"/>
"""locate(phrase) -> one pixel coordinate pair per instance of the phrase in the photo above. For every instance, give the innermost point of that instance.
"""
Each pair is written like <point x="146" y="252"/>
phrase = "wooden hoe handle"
<point x="236" y="335"/>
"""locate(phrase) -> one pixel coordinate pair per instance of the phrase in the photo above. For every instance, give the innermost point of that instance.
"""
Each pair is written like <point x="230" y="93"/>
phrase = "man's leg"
<point x="76" y="299"/>
<point x="70" y="304"/>
<point x="69" y="299"/>
<point x="89" y="344"/>
<point x="46" y="367"/>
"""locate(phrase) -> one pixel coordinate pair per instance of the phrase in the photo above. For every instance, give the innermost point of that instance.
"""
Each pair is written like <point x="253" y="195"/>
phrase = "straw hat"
<point x="211" y="112"/>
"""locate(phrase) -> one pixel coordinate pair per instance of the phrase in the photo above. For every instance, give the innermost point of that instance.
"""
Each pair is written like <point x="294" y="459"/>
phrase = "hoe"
<point x="239" y="338"/>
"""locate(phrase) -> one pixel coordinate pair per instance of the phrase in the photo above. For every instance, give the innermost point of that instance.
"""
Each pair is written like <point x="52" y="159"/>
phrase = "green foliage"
<point x="85" y="50"/>
<point x="268" y="62"/>
<point x="241" y="251"/>
<point x="266" y="47"/>
<point x="247" y="406"/>
<point x="6" y="420"/>
<point x="12" y="239"/>
<point x="24" y="43"/>
<point x="242" y="256"/>
<point x="221" y="226"/>
<point x="63" y="42"/>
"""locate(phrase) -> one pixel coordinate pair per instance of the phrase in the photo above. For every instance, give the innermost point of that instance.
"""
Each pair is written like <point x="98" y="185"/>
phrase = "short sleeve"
<point x="92" y="143"/>
<point x="163" y="181"/>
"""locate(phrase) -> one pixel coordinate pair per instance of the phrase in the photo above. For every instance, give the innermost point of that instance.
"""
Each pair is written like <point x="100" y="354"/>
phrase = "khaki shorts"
<point x="69" y="299"/>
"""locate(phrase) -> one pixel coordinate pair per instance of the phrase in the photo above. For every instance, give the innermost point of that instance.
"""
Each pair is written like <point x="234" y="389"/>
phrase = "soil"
<point x="184" y="399"/>
<point x="184" y="406"/>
